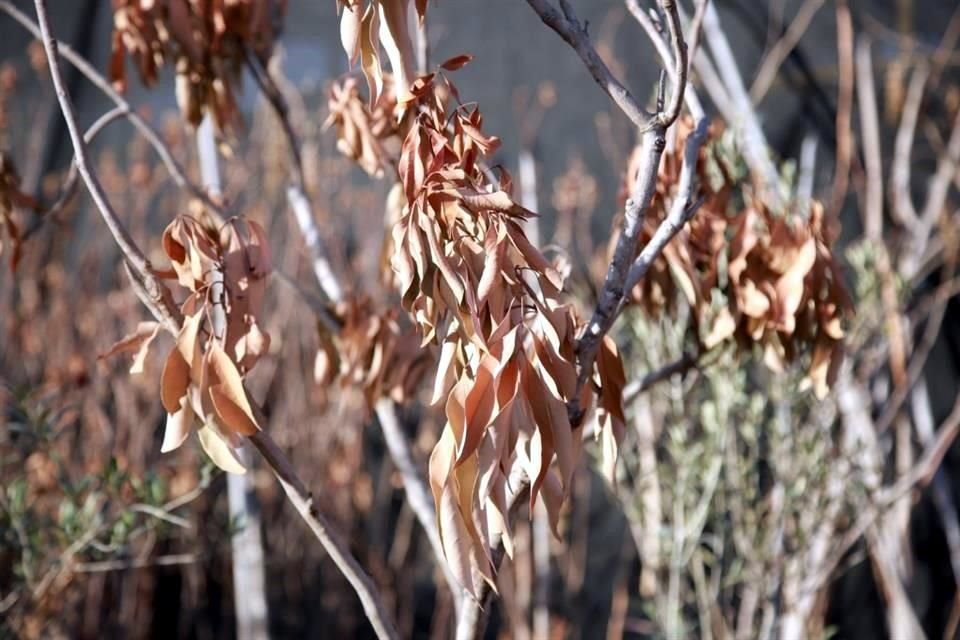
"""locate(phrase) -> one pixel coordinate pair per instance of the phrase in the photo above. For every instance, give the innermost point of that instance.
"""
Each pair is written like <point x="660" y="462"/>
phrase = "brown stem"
<point x="329" y="537"/>
<point x="297" y="196"/>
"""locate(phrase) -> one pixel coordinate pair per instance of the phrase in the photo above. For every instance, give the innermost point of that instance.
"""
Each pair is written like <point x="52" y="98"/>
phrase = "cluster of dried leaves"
<point x="220" y="338"/>
<point x="474" y="284"/>
<point x="371" y="351"/>
<point x="204" y="40"/>
<point x="365" y="134"/>
<point x="780" y="285"/>
<point x="11" y="196"/>
<point x="366" y="26"/>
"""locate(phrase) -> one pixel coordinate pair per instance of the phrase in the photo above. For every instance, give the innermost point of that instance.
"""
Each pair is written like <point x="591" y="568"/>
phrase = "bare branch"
<point x="419" y="498"/>
<point x="731" y="97"/>
<point x="679" y="68"/>
<point x="903" y="209"/>
<point x="131" y="251"/>
<point x="771" y="63"/>
<point x="940" y="184"/>
<point x="665" y="55"/>
<point x="146" y="130"/>
<point x="841" y="174"/>
<point x="683" y="207"/>
<point x="678" y="367"/>
<point x="919" y="476"/>
<point x="297" y="196"/>
<point x="69" y="187"/>
<point x="574" y="34"/>
<point x="332" y="541"/>
<point x="696" y="30"/>
<point x="139" y="563"/>
<point x="651" y="150"/>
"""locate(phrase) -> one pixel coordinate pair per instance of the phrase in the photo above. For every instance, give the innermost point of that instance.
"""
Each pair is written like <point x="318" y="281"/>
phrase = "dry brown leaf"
<point x="139" y="342"/>
<point x="228" y="395"/>
<point x="174" y="381"/>
<point x="178" y="427"/>
<point x="219" y="452"/>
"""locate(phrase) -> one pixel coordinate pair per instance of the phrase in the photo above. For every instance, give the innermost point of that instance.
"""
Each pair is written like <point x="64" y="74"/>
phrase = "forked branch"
<point x="653" y="128"/>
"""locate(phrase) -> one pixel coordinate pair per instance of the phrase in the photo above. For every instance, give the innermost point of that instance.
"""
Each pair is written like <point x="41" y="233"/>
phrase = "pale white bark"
<point x="246" y="545"/>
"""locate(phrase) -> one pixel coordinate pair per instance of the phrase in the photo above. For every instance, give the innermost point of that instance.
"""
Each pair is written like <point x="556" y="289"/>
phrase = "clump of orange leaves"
<point x="779" y="281"/>
<point x="368" y="27"/>
<point x="475" y="286"/>
<point x="371" y="351"/>
<point x="220" y="339"/>
<point x="204" y="41"/>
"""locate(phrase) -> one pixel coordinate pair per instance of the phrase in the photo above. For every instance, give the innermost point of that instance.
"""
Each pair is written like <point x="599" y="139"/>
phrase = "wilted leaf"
<point x="219" y="452"/>
<point x="350" y="29"/>
<point x="139" y="341"/>
<point x="228" y="395"/>
<point x="478" y="407"/>
<point x="456" y="62"/>
<point x="177" y="427"/>
<point x="174" y="381"/>
<point x="370" y="52"/>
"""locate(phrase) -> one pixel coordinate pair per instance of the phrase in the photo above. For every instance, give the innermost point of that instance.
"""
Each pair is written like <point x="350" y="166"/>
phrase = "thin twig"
<point x="131" y="251"/>
<point x="939" y="186"/>
<point x="731" y="97"/>
<point x="329" y="537"/>
<point x="678" y="367"/>
<point x="69" y="187"/>
<point x="772" y="62"/>
<point x="903" y="209"/>
<point x="162" y="514"/>
<point x="918" y="477"/>
<point x="415" y="486"/>
<point x="696" y="30"/>
<point x="146" y="130"/>
<point x="664" y="53"/>
<point x="841" y="174"/>
<point x="102" y="566"/>
<point x="297" y="196"/>
<point x="568" y="28"/>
